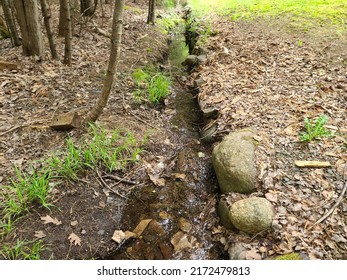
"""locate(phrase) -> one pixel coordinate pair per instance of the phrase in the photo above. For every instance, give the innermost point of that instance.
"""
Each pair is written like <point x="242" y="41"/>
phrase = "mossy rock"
<point x="252" y="215"/>
<point x="292" y="257"/>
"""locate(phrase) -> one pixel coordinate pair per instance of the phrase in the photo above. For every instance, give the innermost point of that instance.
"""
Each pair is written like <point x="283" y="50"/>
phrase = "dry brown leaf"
<point x="272" y="197"/>
<point x="180" y="241"/>
<point x="74" y="239"/>
<point x="119" y="236"/>
<point x="141" y="227"/>
<point x="49" y="220"/>
<point x="159" y="182"/>
<point x="39" y="234"/>
<point x="180" y="176"/>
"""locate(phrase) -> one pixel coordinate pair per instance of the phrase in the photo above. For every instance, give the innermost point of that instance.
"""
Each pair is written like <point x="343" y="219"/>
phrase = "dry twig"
<point x="107" y="186"/>
<point x="339" y="200"/>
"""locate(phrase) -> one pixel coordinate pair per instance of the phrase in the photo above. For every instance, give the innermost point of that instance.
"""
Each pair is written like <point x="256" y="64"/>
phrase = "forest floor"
<point x="258" y="74"/>
<point x="266" y="75"/>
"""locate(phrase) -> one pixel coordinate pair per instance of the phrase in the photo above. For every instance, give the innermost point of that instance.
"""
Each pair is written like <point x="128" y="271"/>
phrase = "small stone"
<point x="101" y="232"/>
<point x="83" y="231"/>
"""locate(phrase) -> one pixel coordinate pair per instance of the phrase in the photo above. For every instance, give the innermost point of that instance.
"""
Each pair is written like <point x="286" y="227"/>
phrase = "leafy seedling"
<point x="316" y="130"/>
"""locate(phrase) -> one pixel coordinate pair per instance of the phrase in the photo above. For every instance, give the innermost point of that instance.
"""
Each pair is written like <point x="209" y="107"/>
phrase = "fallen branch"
<point x="337" y="203"/>
<point x="107" y="186"/>
<point x="21" y="126"/>
<point x="121" y="180"/>
<point x="312" y="164"/>
<point x="141" y="120"/>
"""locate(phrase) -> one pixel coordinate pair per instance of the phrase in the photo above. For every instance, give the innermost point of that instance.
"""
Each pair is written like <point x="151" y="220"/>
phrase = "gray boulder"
<point x="233" y="162"/>
<point x="252" y="215"/>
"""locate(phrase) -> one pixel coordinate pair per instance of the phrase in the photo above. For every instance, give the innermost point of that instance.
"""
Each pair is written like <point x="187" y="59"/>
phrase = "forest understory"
<point x="259" y="74"/>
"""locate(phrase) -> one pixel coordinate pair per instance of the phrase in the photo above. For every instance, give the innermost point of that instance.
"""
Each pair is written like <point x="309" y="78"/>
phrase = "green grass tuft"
<point x="152" y="85"/>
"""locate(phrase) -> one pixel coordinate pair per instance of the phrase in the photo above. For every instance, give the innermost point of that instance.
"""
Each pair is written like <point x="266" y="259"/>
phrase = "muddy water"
<point x="183" y="210"/>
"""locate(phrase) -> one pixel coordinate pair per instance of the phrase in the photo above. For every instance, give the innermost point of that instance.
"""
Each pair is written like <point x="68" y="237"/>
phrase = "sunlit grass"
<point x="323" y="11"/>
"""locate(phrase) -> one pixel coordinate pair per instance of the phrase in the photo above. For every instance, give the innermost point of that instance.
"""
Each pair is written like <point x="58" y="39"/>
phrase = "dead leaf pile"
<point x="261" y="78"/>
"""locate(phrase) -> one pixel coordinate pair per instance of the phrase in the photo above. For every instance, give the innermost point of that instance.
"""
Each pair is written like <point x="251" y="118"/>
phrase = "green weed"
<point x="114" y="149"/>
<point x="152" y="85"/>
<point x="316" y="130"/>
<point x="68" y="166"/>
<point x="22" y="250"/>
<point x="24" y="190"/>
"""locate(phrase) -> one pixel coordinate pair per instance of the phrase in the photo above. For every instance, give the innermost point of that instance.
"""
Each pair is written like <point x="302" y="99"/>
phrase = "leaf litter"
<point x="266" y="81"/>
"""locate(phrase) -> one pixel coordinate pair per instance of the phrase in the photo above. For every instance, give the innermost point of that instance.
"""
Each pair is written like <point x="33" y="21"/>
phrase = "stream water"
<point x="183" y="210"/>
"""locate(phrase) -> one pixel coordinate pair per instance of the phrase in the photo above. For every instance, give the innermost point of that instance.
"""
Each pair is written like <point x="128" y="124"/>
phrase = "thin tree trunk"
<point x="47" y="17"/>
<point x="62" y="19"/>
<point x="116" y="39"/>
<point x="28" y="19"/>
<point x="10" y="23"/>
<point x="151" y="12"/>
<point x="67" y="33"/>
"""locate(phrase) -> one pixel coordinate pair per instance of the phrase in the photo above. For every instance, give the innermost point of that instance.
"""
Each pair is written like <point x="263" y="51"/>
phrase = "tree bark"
<point x="10" y="23"/>
<point x="47" y="19"/>
<point x="67" y="33"/>
<point x="62" y="19"/>
<point x="151" y="12"/>
<point x="116" y="39"/>
<point x="28" y="19"/>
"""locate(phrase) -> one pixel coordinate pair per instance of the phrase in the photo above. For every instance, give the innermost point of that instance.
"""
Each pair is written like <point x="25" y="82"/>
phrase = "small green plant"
<point x="152" y="85"/>
<point x="316" y="130"/>
<point x="22" y="250"/>
<point x="67" y="166"/>
<point x="25" y="190"/>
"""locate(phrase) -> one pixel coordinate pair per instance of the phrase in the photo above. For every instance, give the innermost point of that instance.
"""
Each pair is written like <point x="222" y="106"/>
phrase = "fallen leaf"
<point x="49" y="220"/>
<point x="74" y="239"/>
<point x="184" y="224"/>
<point x="141" y="227"/>
<point x="39" y="234"/>
<point x="271" y="197"/>
<point x="119" y="236"/>
<point x="338" y="238"/>
<point x="180" y="241"/>
<point x="180" y="176"/>
<point x="160" y="182"/>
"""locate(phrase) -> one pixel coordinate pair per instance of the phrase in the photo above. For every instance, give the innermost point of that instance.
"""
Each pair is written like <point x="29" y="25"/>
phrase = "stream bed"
<point x="182" y="210"/>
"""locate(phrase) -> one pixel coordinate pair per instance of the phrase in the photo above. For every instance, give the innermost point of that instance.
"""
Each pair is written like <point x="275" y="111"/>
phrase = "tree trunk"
<point x="87" y="8"/>
<point x="67" y="33"/>
<point x="62" y="20"/>
<point x="116" y="39"/>
<point x="151" y="12"/>
<point x="74" y="13"/>
<point x="28" y="19"/>
<point x="10" y="23"/>
<point x="47" y="19"/>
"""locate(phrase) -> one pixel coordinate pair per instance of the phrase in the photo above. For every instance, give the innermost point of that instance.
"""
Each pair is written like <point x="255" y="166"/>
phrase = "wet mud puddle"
<point x="180" y="203"/>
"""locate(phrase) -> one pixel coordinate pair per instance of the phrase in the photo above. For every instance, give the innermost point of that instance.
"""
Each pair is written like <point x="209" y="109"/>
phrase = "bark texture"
<point x="116" y="39"/>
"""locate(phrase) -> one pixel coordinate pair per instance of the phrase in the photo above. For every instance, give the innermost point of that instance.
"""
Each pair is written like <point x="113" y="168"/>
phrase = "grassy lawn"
<point x="322" y="11"/>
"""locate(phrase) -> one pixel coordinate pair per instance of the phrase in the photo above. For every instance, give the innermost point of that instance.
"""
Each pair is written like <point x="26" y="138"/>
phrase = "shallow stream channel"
<point x="182" y="210"/>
